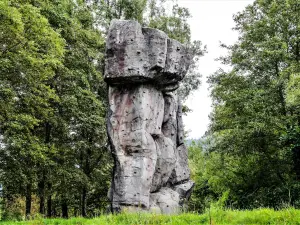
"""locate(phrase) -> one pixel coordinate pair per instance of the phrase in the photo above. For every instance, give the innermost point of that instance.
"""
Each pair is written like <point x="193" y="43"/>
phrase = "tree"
<point x="79" y="131"/>
<point x="251" y="122"/>
<point x="176" y="26"/>
<point x="54" y="129"/>
<point x="30" y="52"/>
<point x="198" y="159"/>
<point x="53" y="99"/>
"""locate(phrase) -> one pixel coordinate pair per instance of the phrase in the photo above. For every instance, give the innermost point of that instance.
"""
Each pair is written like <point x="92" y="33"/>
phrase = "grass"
<point x="215" y="217"/>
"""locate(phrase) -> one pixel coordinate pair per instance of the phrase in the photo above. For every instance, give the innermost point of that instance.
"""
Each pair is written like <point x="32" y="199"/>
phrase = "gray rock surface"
<point x="135" y="115"/>
<point x="169" y="127"/>
<point x="126" y="58"/>
<point x="135" y="54"/>
<point x="166" y="199"/>
<point x="144" y="124"/>
<point x="181" y="171"/>
<point x="180" y="127"/>
<point x="165" y="163"/>
<point x="185" y="189"/>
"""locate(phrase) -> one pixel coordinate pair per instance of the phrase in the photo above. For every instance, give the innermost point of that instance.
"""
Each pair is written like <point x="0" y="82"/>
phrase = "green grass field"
<point x="260" y="216"/>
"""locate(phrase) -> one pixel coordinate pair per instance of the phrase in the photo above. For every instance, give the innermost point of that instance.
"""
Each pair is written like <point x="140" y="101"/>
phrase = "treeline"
<point x="250" y="156"/>
<point x="54" y="156"/>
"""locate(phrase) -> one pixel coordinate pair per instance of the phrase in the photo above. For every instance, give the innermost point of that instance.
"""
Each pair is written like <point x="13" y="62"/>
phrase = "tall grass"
<point x="288" y="216"/>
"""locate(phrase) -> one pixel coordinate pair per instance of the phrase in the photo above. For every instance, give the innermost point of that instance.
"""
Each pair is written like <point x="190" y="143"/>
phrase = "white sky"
<point x="211" y="23"/>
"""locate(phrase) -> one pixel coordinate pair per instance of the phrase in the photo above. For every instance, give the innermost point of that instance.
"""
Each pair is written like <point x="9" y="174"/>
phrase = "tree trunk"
<point x="41" y="186"/>
<point x="296" y="161"/>
<point x="49" y="200"/>
<point x="49" y="206"/>
<point x="64" y="209"/>
<point x="83" y="202"/>
<point x="28" y="200"/>
<point x="54" y="212"/>
<point x="42" y="205"/>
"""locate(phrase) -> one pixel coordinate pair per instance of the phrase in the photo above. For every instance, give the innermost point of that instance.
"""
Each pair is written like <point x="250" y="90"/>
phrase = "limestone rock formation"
<point x="143" y="69"/>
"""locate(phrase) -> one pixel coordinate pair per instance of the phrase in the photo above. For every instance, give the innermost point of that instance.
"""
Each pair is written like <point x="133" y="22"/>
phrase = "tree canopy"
<point x="253" y="138"/>
<point x="54" y="156"/>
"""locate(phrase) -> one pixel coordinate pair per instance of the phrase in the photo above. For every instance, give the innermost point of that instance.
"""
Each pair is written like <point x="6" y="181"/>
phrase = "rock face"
<point x="143" y="68"/>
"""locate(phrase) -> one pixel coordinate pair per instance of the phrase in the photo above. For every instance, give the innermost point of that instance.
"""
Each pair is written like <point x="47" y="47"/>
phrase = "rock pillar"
<point x="143" y="69"/>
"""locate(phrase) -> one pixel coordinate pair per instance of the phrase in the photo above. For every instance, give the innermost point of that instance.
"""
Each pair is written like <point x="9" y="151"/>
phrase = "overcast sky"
<point x="211" y="23"/>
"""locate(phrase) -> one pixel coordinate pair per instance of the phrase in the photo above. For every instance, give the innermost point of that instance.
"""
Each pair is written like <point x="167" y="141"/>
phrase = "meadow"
<point x="287" y="216"/>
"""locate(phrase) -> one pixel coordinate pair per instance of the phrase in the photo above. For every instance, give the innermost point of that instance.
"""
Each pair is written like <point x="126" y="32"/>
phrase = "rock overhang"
<point x="140" y="55"/>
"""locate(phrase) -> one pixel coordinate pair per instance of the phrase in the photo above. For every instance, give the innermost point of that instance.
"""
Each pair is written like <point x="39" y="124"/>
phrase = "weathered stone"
<point x="180" y="127"/>
<point x="156" y="47"/>
<point x="135" y="108"/>
<point x="169" y="87"/>
<point x="132" y="181"/>
<point x="144" y="124"/>
<point x="126" y="58"/>
<point x="177" y="63"/>
<point x="135" y="54"/>
<point x="165" y="163"/>
<point x="135" y="115"/>
<point x="169" y="127"/>
<point x="184" y="190"/>
<point x="167" y="200"/>
<point x="181" y="171"/>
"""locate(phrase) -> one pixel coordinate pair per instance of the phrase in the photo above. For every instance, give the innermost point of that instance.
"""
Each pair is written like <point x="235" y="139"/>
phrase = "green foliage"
<point x="287" y="216"/>
<point x="293" y="90"/>
<point x="174" y="25"/>
<point x="52" y="105"/>
<point x="253" y="136"/>
<point x="31" y="52"/>
<point x="53" y="144"/>
<point x="200" y="198"/>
